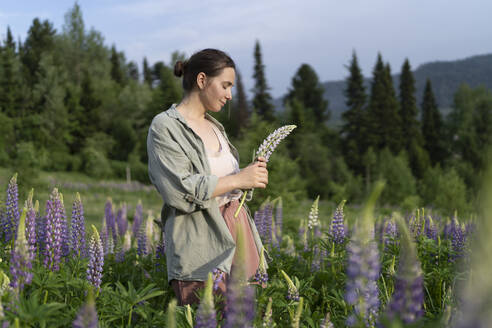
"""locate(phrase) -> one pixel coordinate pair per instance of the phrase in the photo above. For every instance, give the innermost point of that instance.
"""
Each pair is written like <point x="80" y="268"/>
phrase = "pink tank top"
<point x="223" y="163"/>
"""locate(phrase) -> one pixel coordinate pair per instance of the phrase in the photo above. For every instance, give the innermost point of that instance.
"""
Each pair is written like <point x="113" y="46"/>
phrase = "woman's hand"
<point x="254" y="175"/>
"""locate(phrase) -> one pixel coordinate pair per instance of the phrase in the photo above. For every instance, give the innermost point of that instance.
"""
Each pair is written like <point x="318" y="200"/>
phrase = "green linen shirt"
<point x="196" y="235"/>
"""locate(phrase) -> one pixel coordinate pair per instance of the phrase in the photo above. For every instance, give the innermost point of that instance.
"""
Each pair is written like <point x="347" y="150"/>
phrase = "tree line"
<point x="68" y="102"/>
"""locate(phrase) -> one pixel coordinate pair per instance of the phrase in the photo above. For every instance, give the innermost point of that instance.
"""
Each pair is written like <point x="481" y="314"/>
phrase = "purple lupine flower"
<point x="362" y="275"/>
<point x="218" y="277"/>
<point x="458" y="238"/>
<point x="470" y="228"/>
<point x="240" y="298"/>
<point x="53" y="231"/>
<point x="205" y="315"/>
<point x="77" y="243"/>
<point x="65" y="242"/>
<point x="40" y="232"/>
<point x="430" y="228"/>
<point x="389" y="233"/>
<point x="415" y="225"/>
<point x="96" y="259"/>
<point x="121" y="221"/>
<point x="21" y="260"/>
<point x="31" y="225"/>
<point x="408" y="299"/>
<point x="87" y="316"/>
<point x="259" y="218"/>
<point x="142" y="249"/>
<point x="292" y="291"/>
<point x="261" y="275"/>
<point x="337" y="227"/>
<point x="267" y="223"/>
<point x="160" y="251"/>
<point x="316" y="263"/>
<point x="279" y="220"/>
<point x="110" y="219"/>
<point x="12" y="214"/>
<point x="137" y="219"/>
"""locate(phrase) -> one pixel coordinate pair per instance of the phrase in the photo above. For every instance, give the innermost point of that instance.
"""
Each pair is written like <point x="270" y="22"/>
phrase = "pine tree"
<point x="11" y="92"/>
<point x="412" y="136"/>
<point x="9" y="41"/>
<point x="132" y="69"/>
<point x="383" y="119"/>
<point x="262" y="98"/>
<point x="309" y="92"/>
<point x="432" y="127"/>
<point x="354" y="126"/>
<point x="116" y="70"/>
<point x="241" y="104"/>
<point x="147" y="72"/>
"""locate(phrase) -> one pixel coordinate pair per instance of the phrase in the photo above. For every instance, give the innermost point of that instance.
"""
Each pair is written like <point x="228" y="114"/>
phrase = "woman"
<point x="195" y="169"/>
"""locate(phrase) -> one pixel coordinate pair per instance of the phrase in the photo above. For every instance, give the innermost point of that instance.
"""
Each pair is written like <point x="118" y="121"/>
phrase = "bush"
<point x="95" y="163"/>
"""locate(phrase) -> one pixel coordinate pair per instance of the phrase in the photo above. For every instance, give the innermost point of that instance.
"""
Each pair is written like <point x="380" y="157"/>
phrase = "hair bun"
<point x="179" y="68"/>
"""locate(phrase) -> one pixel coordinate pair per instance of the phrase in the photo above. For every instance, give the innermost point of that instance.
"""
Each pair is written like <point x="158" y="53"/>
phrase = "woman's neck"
<point x="192" y="108"/>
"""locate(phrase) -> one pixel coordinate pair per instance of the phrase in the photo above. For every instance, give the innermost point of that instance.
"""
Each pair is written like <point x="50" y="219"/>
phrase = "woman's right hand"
<point x="254" y="175"/>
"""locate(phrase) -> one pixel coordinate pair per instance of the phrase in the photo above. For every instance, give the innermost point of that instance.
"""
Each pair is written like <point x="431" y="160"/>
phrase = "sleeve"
<point x="171" y="172"/>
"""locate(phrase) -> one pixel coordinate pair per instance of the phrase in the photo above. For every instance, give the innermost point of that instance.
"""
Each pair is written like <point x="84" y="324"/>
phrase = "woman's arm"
<point x="254" y="175"/>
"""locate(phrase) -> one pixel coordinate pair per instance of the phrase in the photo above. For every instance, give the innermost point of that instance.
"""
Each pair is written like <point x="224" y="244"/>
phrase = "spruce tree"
<point x="116" y="69"/>
<point x="262" y="100"/>
<point x="241" y="103"/>
<point x="11" y="91"/>
<point x="147" y="72"/>
<point x="354" y="127"/>
<point x="410" y="126"/>
<point x="432" y="127"/>
<point x="132" y="69"/>
<point x="9" y="41"/>
<point x="307" y="89"/>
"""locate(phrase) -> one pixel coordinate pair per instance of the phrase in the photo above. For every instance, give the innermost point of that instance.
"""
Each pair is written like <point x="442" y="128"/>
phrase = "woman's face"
<point x="218" y="90"/>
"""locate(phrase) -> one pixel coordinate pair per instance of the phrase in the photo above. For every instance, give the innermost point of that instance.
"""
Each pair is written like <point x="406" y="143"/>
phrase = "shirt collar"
<point x="174" y="113"/>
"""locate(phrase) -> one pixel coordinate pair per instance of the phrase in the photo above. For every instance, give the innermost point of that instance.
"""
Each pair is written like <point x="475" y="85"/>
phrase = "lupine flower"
<point x="389" y="233"/>
<point x="271" y="142"/>
<point x="430" y="228"/>
<point x="53" y="231"/>
<point x="96" y="259"/>
<point x="363" y="268"/>
<point x="121" y="221"/>
<point x="160" y="251"/>
<point x="142" y="249"/>
<point x="137" y="219"/>
<point x="337" y="227"/>
<point x="297" y="316"/>
<point x="408" y="298"/>
<point x="266" y="149"/>
<point x="104" y="236"/>
<point x="290" y="248"/>
<point x="415" y="224"/>
<point x="65" y="242"/>
<point x="31" y="225"/>
<point x="87" y="316"/>
<point x="77" y="243"/>
<point x="21" y="261"/>
<point x="458" y="238"/>
<point x="313" y="215"/>
<point x="316" y="263"/>
<point x="110" y="219"/>
<point x="292" y="292"/>
<point x="279" y="219"/>
<point x="12" y="213"/>
<point x="326" y="323"/>
<point x="40" y="229"/>
<point x="205" y="316"/>
<point x="259" y="218"/>
<point x="125" y="246"/>
<point x="149" y="231"/>
<point x="267" y="319"/>
<point x="261" y="275"/>
<point x="267" y="223"/>
<point x="218" y="277"/>
<point x="240" y="298"/>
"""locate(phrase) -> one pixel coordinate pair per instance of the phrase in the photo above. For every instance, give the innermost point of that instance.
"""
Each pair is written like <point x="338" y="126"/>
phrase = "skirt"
<point x="186" y="290"/>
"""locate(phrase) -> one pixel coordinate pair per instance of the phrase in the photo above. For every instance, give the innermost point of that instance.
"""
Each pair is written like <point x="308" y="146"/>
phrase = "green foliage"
<point x="262" y="100"/>
<point x="432" y="126"/>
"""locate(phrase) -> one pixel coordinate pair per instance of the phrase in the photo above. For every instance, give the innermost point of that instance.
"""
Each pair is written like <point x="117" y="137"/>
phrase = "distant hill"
<point x="446" y="77"/>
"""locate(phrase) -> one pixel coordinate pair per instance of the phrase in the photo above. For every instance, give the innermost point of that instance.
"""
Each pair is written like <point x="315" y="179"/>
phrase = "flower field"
<point x="359" y="270"/>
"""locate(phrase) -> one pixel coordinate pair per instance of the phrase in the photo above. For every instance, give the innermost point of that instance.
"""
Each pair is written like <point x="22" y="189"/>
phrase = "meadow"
<point x="325" y="265"/>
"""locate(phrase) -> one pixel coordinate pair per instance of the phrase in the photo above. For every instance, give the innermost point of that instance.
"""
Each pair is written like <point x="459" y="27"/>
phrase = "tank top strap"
<point x="220" y="136"/>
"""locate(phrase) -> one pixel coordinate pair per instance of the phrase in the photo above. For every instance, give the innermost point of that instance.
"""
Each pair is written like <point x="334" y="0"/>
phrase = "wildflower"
<point x="21" y="261"/>
<point x="205" y="316"/>
<point x="279" y="220"/>
<point x="313" y="215"/>
<point x="142" y="249"/>
<point x="12" y="214"/>
<point x="110" y="220"/>
<point x="292" y="292"/>
<point x="267" y="223"/>
<point x="137" y="219"/>
<point x="77" y="243"/>
<point x="408" y="298"/>
<point x="261" y="275"/>
<point x="337" y="227"/>
<point x="87" y="316"/>
<point x="31" y="225"/>
<point x="430" y="228"/>
<point x="121" y="221"/>
<point x="326" y="323"/>
<point x="96" y="259"/>
<point x="267" y="319"/>
<point x="389" y="233"/>
<point x="53" y="238"/>
<point x="218" y="277"/>
<point x="65" y="239"/>
<point x="458" y="238"/>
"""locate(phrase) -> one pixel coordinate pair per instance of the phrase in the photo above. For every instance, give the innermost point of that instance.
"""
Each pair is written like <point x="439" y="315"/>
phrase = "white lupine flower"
<point x="271" y="142"/>
<point x="313" y="215"/>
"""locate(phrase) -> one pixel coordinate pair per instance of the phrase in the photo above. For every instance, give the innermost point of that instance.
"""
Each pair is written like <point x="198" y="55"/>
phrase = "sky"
<point x="320" y="33"/>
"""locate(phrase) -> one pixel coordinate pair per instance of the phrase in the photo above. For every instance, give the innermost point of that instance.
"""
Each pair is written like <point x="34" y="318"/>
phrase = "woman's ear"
<point x="201" y="80"/>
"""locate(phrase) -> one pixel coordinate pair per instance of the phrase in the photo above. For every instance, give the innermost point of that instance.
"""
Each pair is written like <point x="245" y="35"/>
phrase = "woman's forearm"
<point x="226" y="184"/>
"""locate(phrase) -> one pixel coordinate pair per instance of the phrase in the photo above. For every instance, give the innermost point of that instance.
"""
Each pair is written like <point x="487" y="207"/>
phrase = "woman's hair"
<point x="209" y="61"/>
